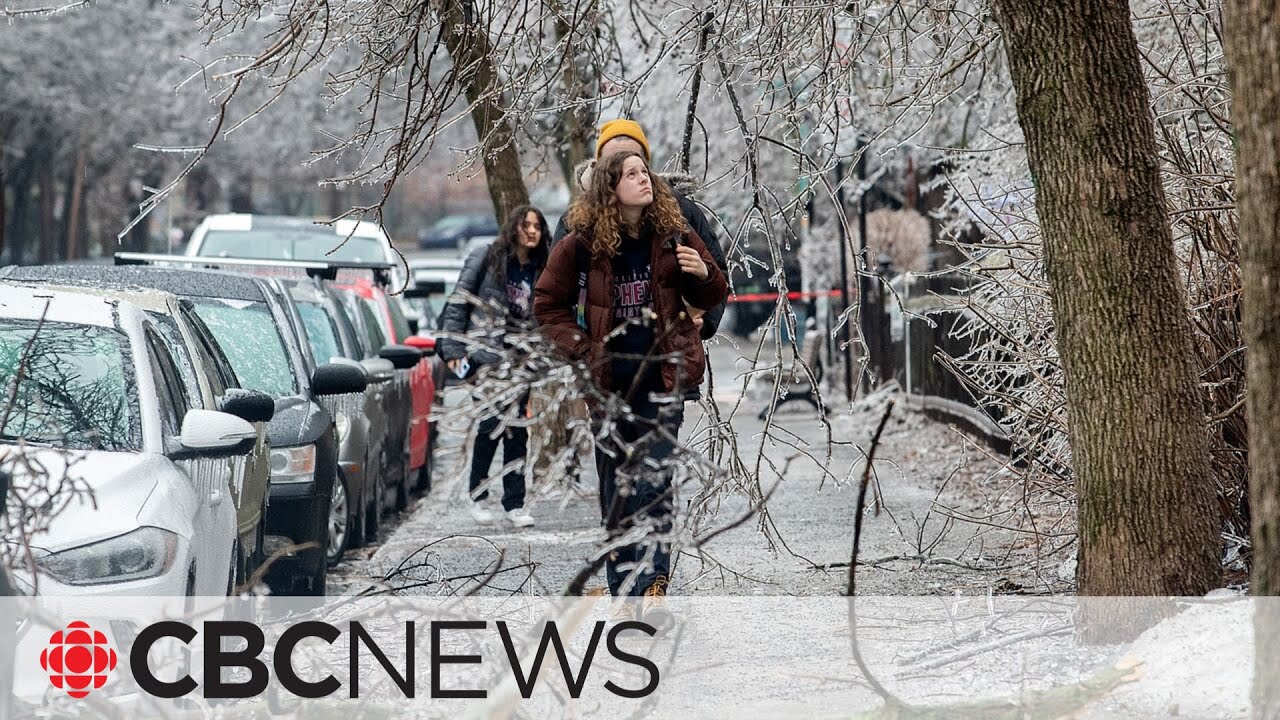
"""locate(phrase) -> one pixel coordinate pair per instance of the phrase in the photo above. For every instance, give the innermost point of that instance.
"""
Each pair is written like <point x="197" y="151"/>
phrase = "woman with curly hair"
<point x="493" y="297"/>
<point x="617" y="293"/>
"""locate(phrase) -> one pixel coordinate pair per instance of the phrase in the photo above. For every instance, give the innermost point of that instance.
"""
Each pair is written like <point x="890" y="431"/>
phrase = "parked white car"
<point x="99" y="408"/>
<point x="209" y="383"/>
<point x="276" y="237"/>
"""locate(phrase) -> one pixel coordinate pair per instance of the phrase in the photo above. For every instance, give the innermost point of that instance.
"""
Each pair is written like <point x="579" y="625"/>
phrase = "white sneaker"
<point x="520" y="518"/>
<point x="482" y="514"/>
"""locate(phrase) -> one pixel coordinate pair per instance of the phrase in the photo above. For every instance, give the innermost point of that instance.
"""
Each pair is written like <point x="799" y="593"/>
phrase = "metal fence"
<point x="906" y="336"/>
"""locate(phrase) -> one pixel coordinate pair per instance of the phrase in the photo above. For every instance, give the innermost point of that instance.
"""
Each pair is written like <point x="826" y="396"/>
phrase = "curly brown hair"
<point x="597" y="217"/>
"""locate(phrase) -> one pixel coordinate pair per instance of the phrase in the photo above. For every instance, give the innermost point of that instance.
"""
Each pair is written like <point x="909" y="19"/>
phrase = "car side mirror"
<point x="402" y="357"/>
<point x="338" y="379"/>
<point x="213" y="430"/>
<point x="379" y="370"/>
<point x="249" y="405"/>
<point x="425" y="345"/>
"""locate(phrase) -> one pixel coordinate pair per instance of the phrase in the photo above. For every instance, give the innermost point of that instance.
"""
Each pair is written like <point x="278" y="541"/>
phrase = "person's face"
<point x="529" y="233"/>
<point x="620" y="144"/>
<point x="634" y="187"/>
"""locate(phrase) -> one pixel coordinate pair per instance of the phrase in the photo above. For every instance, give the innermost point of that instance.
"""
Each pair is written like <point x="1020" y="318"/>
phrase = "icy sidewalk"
<point x="803" y="549"/>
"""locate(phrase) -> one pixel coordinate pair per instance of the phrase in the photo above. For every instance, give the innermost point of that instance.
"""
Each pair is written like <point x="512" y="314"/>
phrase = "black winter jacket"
<point x="478" y="306"/>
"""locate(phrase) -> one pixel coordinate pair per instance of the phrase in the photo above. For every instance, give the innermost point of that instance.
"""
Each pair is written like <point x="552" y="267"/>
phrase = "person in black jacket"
<point x="494" y="296"/>
<point x="617" y="136"/>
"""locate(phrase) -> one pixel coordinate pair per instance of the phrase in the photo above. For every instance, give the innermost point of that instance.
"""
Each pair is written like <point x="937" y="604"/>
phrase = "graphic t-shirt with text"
<point x="632" y="274"/>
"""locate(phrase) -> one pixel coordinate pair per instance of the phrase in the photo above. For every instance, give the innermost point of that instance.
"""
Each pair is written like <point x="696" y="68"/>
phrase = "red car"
<point x="385" y="311"/>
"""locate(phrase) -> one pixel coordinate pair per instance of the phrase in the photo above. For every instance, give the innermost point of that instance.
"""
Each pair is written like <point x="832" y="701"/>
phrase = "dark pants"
<point x="635" y="489"/>
<point x="515" y="441"/>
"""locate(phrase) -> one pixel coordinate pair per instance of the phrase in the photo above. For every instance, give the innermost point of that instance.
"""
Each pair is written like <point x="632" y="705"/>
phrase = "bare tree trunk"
<point x="471" y="51"/>
<point x="1252" y="39"/>
<point x="75" y="197"/>
<point x="1148" y="519"/>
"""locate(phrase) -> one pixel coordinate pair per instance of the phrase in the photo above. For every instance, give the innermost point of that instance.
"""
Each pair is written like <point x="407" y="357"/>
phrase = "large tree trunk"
<point x="1148" y="519"/>
<point x="1253" y="52"/>
<point x="468" y="42"/>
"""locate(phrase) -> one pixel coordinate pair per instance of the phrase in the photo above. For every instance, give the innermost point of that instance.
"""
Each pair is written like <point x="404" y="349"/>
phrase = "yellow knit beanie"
<point x="622" y="128"/>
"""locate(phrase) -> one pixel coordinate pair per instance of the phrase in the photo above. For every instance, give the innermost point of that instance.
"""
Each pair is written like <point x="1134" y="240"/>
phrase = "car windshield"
<point x="70" y="384"/>
<point x="321" y="334"/>
<point x="249" y="338"/>
<point x="291" y="244"/>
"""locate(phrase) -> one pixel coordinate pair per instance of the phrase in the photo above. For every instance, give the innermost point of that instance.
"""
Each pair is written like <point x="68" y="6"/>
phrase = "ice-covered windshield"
<point x="321" y="334"/>
<point x="249" y="338"/>
<point x="291" y="244"/>
<point x="71" y="386"/>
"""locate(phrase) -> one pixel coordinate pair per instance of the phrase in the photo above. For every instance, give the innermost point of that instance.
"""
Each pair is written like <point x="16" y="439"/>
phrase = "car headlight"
<point x="293" y="465"/>
<point x="143" y="553"/>
<point x="343" y="425"/>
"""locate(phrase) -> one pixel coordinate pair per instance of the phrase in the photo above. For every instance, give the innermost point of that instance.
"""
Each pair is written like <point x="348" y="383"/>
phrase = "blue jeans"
<point x="635" y="488"/>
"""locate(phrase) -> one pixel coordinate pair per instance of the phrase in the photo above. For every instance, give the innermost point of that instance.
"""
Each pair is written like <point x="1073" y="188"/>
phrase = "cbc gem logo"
<point x="78" y="659"/>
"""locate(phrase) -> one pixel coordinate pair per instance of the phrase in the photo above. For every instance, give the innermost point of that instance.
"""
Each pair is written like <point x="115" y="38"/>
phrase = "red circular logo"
<point x="78" y="659"/>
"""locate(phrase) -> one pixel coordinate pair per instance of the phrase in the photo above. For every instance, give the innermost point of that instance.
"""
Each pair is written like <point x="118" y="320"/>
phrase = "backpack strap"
<point x="582" y="262"/>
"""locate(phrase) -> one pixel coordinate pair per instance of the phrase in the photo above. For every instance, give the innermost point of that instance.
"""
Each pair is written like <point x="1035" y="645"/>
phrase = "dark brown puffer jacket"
<point x="556" y="298"/>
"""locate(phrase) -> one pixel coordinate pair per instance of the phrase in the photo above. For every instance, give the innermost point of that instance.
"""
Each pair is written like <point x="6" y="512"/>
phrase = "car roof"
<point x="148" y="299"/>
<point x="24" y="302"/>
<point x="180" y="282"/>
<point x="245" y="221"/>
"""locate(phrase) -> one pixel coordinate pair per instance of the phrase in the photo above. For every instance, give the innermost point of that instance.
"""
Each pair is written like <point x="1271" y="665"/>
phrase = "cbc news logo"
<point x="78" y="659"/>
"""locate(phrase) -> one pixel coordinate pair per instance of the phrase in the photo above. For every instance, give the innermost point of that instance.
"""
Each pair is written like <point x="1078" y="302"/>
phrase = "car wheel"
<point x="340" y="520"/>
